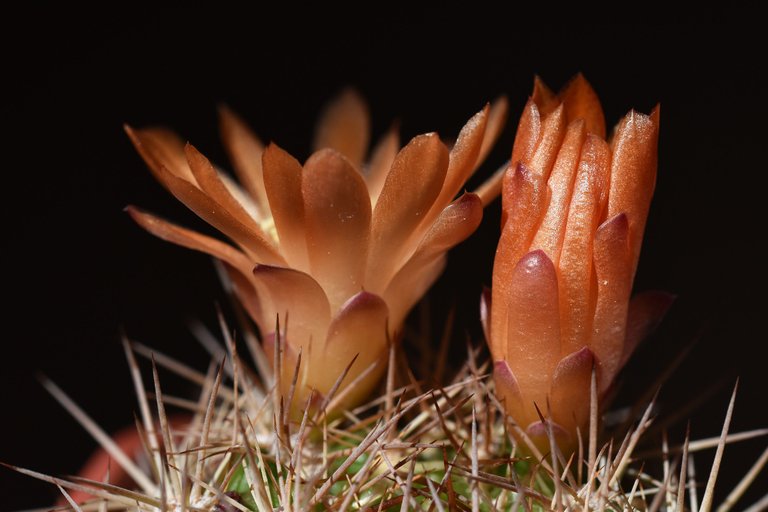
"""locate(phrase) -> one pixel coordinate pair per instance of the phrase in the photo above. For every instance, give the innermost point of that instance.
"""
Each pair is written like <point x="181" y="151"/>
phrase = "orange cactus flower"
<point x="574" y="210"/>
<point x="338" y="249"/>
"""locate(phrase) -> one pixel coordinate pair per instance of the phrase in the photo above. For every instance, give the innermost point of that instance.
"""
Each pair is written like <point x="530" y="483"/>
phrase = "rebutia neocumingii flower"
<point x="338" y="249"/>
<point x="574" y="209"/>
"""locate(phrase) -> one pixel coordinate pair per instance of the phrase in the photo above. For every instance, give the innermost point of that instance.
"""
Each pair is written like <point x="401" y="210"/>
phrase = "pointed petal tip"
<point x="662" y="301"/>
<point x="364" y="299"/>
<point x="194" y="155"/>
<point x="536" y="259"/>
<point x="520" y="171"/>
<point x="324" y="155"/>
<point x="619" y="221"/>
<point x="579" y="360"/>
<point x="139" y="216"/>
<point x="504" y="376"/>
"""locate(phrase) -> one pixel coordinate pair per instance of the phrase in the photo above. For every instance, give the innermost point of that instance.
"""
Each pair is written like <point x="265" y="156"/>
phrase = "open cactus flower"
<point x="574" y="211"/>
<point x="326" y="257"/>
<point x="338" y="249"/>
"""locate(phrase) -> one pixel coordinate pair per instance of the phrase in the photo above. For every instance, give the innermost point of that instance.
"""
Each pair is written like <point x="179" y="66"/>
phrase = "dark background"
<point x="77" y="270"/>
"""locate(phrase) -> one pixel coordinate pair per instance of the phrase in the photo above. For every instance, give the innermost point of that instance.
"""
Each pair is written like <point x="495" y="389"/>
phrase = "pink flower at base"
<point x="574" y="209"/>
<point x="338" y="249"/>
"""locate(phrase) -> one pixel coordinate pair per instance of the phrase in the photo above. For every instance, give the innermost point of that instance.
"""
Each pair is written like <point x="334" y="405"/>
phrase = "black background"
<point x="77" y="270"/>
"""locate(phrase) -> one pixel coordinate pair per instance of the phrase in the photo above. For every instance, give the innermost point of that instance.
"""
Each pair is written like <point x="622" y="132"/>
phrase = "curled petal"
<point x="244" y="150"/>
<point x="338" y="218"/>
<point x="581" y="102"/>
<point x="359" y="330"/>
<point x="633" y="173"/>
<point x="614" y="284"/>
<point x="160" y="147"/>
<point x="412" y="185"/>
<point x="533" y="337"/>
<point x="570" y="390"/>
<point x="577" y="291"/>
<point x="300" y="303"/>
<point x="645" y="312"/>
<point x="211" y="183"/>
<point x="282" y="182"/>
<point x="345" y="127"/>
<point x="550" y="234"/>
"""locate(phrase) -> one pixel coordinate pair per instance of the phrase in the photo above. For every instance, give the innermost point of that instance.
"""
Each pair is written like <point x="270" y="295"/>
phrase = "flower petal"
<point x="508" y="391"/>
<point x="550" y="234"/>
<point x="533" y="329"/>
<point x="250" y="294"/>
<point x="528" y="132"/>
<point x="614" y="285"/>
<point x="545" y="152"/>
<point x="646" y="311"/>
<point x="358" y="329"/>
<point x="581" y="102"/>
<point x="497" y="118"/>
<point x="462" y="159"/>
<point x="383" y="155"/>
<point x="577" y="293"/>
<point x="524" y="202"/>
<point x="455" y="223"/>
<point x="211" y="183"/>
<point x="244" y="150"/>
<point x="161" y="147"/>
<point x="412" y="185"/>
<point x="338" y="218"/>
<point x="345" y="127"/>
<point x="570" y="394"/>
<point x="258" y="247"/>
<point x="546" y="100"/>
<point x="191" y="240"/>
<point x="409" y="285"/>
<point x="491" y="187"/>
<point x="633" y="173"/>
<point x="282" y="181"/>
<point x="300" y="303"/>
